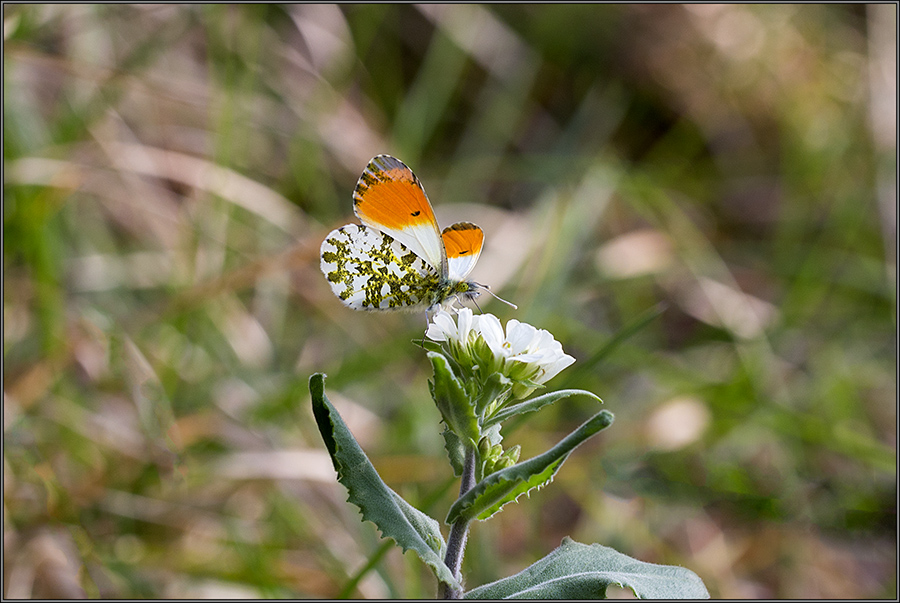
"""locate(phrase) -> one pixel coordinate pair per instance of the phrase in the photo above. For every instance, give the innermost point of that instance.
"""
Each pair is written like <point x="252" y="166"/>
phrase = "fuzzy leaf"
<point x="537" y="403"/>
<point x="506" y="485"/>
<point x="450" y="396"/>
<point x="455" y="450"/>
<point x="394" y="517"/>
<point x="581" y="571"/>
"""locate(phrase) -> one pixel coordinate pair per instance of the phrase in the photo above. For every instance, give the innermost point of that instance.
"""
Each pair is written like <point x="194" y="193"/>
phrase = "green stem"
<point x="456" y="542"/>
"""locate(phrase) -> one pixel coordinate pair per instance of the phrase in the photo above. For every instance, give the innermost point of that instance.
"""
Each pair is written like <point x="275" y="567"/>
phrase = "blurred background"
<point x="699" y="202"/>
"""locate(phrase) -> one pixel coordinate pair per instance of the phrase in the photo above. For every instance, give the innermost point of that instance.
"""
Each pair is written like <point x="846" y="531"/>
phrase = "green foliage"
<point x="394" y="517"/>
<point x="449" y="394"/>
<point x="573" y="571"/>
<point x="579" y="571"/>
<point x="506" y="485"/>
<point x="536" y="404"/>
<point x="455" y="450"/>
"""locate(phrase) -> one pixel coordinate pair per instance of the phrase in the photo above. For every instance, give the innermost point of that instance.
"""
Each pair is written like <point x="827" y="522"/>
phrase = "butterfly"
<point x="398" y="259"/>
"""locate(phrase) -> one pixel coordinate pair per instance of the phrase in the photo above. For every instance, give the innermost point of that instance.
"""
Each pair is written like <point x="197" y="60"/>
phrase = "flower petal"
<point x="442" y="327"/>
<point x="554" y="369"/>
<point x="466" y="322"/>
<point x="492" y="333"/>
<point x="520" y="336"/>
<point x="525" y="355"/>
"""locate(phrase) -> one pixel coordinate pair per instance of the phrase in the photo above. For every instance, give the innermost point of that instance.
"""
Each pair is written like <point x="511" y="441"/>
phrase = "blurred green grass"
<point x="169" y="174"/>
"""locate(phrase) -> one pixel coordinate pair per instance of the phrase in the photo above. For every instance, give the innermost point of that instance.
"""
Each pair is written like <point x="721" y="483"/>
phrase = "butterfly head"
<point x="465" y="291"/>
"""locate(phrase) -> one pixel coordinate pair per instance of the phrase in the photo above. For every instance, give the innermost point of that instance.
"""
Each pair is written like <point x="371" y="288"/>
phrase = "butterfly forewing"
<point x="390" y="199"/>
<point x="369" y="270"/>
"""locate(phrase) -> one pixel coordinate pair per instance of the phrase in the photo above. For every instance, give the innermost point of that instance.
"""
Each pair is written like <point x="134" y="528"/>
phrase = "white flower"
<point x="526" y="355"/>
<point x="525" y="343"/>
<point x="443" y="327"/>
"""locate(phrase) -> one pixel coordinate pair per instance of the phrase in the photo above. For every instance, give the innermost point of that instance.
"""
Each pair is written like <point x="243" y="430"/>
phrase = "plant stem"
<point x="456" y="542"/>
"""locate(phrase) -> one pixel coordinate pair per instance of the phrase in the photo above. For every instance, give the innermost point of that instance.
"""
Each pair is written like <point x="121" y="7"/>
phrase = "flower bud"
<point x="502" y="463"/>
<point x="513" y="454"/>
<point x="484" y="447"/>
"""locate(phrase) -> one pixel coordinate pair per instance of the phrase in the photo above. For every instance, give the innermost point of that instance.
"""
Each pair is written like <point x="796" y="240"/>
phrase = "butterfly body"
<point x="398" y="259"/>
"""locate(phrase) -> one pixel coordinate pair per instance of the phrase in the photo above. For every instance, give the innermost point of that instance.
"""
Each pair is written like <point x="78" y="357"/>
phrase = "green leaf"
<point x="492" y="388"/>
<point x="450" y="396"/>
<point x="427" y="345"/>
<point x="581" y="571"/>
<point x="394" y="517"/>
<point x="455" y="450"/>
<point x="506" y="485"/>
<point x="536" y="404"/>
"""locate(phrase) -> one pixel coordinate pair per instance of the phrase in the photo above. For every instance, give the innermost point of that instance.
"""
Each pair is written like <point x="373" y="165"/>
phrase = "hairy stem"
<point x="456" y="543"/>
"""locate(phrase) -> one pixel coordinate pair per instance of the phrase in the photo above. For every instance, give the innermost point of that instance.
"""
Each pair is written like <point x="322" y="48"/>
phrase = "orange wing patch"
<point x="398" y="258"/>
<point x="390" y="199"/>
<point x="389" y="194"/>
<point x="462" y="242"/>
<point x="463" y="238"/>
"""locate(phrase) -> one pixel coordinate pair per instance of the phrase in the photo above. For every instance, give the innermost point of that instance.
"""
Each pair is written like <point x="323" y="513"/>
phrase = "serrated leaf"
<point x="506" y="485"/>
<point x="450" y="396"/>
<point x="536" y="404"/>
<point x="455" y="451"/>
<point x="581" y="571"/>
<point x="394" y="517"/>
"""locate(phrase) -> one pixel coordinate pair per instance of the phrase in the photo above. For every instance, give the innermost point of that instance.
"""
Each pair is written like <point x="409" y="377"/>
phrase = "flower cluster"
<point x="528" y="357"/>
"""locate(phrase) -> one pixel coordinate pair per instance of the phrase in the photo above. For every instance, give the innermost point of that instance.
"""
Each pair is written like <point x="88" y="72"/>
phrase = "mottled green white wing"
<point x="369" y="270"/>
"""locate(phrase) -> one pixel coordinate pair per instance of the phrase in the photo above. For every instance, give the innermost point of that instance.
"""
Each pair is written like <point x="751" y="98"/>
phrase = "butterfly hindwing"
<point x="370" y="270"/>
<point x="389" y="198"/>
<point x="463" y="242"/>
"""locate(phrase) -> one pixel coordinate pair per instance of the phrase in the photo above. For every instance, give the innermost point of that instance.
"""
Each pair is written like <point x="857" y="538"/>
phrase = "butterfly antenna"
<point x="488" y="289"/>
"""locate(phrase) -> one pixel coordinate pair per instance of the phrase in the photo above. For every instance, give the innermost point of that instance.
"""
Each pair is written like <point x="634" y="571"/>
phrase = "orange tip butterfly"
<point x="398" y="259"/>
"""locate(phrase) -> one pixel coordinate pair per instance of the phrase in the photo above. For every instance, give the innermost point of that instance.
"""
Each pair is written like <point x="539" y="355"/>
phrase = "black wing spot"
<point x="415" y="213"/>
